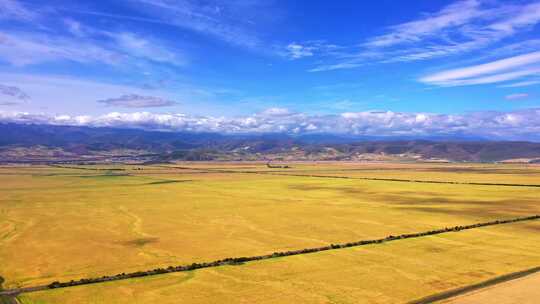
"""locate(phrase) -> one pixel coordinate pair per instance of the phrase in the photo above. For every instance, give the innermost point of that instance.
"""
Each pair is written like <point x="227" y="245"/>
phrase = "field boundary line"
<point x="85" y="168"/>
<point x="409" y="180"/>
<point x="242" y="260"/>
<point x="402" y="180"/>
<point x="478" y="286"/>
<point x="205" y="170"/>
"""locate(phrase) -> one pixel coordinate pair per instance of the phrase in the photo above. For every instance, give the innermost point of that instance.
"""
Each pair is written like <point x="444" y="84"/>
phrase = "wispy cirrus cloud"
<point x="26" y="48"/>
<point x="138" y="101"/>
<point x="515" y="125"/>
<point x="337" y="66"/>
<point x="276" y="112"/>
<point x="310" y="48"/>
<point x="78" y="29"/>
<point x="517" y="96"/>
<point x="75" y="41"/>
<point x="458" y="28"/>
<point x="521" y="84"/>
<point x="453" y="15"/>
<point x="466" y="26"/>
<point x="492" y="72"/>
<point x="521" y="47"/>
<point x="234" y="22"/>
<point x="146" y="48"/>
<point x="297" y="51"/>
<point x="11" y="9"/>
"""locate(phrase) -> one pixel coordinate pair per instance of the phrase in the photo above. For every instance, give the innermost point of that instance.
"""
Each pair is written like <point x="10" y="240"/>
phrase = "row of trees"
<point x="86" y="168"/>
<point x="406" y="180"/>
<point x="448" y="182"/>
<point x="241" y="260"/>
<point x="269" y="165"/>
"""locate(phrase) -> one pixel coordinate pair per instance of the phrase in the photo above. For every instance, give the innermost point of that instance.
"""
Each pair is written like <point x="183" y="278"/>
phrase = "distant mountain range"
<point x="26" y="142"/>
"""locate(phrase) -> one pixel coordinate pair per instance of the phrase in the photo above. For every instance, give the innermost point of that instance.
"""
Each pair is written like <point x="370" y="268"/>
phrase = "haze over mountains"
<point x="521" y="125"/>
<point x="27" y="142"/>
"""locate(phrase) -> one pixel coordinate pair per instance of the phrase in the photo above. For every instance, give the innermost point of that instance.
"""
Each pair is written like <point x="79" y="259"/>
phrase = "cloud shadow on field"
<point x="140" y="242"/>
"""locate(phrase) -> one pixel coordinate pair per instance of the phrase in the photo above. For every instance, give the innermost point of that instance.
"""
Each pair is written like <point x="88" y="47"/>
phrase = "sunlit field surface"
<point x="89" y="221"/>
<point x="524" y="291"/>
<point x="397" y="272"/>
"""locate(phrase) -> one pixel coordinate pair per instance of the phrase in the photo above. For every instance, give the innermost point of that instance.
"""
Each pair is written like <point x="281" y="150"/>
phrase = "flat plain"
<point x="59" y="224"/>
<point x="523" y="291"/>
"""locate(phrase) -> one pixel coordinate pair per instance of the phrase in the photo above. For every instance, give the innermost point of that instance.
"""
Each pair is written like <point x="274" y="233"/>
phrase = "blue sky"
<point x="298" y="66"/>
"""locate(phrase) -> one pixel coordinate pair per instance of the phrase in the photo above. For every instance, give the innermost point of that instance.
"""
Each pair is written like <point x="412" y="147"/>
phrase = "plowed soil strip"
<point x="241" y="260"/>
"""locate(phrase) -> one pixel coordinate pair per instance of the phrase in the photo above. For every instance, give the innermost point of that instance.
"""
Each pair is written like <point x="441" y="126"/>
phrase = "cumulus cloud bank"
<point x="516" y="125"/>
<point x="137" y="101"/>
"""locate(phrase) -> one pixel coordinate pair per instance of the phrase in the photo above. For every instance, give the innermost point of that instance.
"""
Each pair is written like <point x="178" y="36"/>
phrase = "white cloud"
<point x="458" y="28"/>
<point x="71" y="95"/>
<point x="297" y="51"/>
<point x="525" y="46"/>
<point x="68" y="95"/>
<point x="456" y="14"/>
<point x="521" y="84"/>
<point x="75" y="27"/>
<point x="11" y="9"/>
<point x="526" y="16"/>
<point x="233" y="22"/>
<point x="76" y="41"/>
<point x="148" y="49"/>
<point x="522" y="124"/>
<point x="138" y="101"/>
<point x="499" y="65"/>
<point x="309" y="48"/>
<point x="518" y="66"/>
<point x="495" y="78"/>
<point x="22" y="48"/>
<point x="276" y="112"/>
<point x="516" y="96"/>
<point x="338" y="66"/>
<point x="464" y="25"/>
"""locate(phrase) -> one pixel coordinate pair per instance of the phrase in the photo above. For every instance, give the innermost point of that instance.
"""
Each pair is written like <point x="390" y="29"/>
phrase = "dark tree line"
<point x="394" y="179"/>
<point x="269" y="165"/>
<point x="85" y="168"/>
<point x="241" y="260"/>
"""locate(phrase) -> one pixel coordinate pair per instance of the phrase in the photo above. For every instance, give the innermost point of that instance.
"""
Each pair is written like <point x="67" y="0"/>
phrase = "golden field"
<point x="524" y="291"/>
<point x="69" y="223"/>
<point x="397" y="272"/>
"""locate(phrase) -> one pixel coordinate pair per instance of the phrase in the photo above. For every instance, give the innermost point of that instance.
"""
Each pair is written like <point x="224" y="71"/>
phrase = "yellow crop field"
<point x="71" y="222"/>
<point x="398" y="272"/>
<point x="523" y="290"/>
